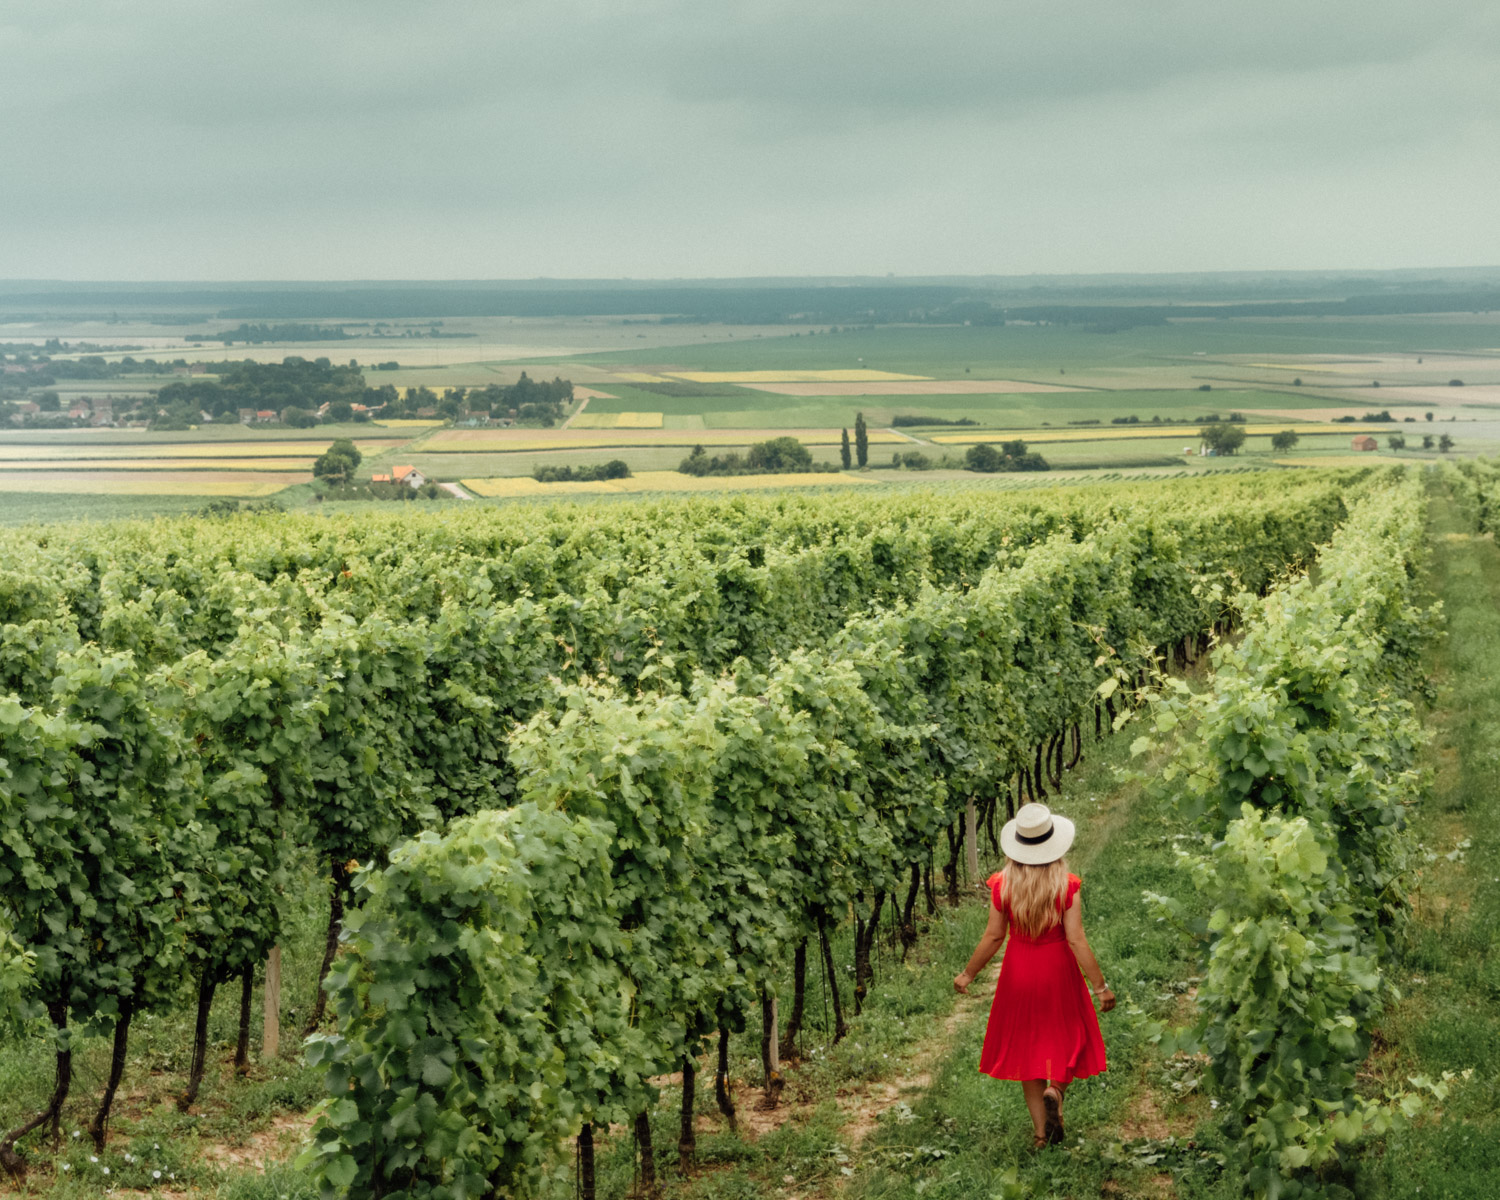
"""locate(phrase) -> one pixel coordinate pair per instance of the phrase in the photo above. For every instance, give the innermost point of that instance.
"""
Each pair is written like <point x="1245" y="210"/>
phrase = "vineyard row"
<point x="1299" y="774"/>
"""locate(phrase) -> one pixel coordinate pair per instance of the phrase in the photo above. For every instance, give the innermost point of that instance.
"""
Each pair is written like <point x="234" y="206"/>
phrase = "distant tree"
<point x="1222" y="437"/>
<point x="1284" y="441"/>
<point x="1428" y="414"/>
<point x="1016" y="457"/>
<point x="1445" y="443"/>
<point x="335" y="468"/>
<point x="1396" y="441"/>
<point x="845" y="456"/>
<point x="861" y="440"/>
<point x="779" y="454"/>
<point x="298" y="418"/>
<point x="1427" y="441"/>
<point x="49" y="402"/>
<point x="983" y="457"/>
<point x="346" y="447"/>
<point x="615" y="468"/>
<point x="341" y="410"/>
<point x="338" y="463"/>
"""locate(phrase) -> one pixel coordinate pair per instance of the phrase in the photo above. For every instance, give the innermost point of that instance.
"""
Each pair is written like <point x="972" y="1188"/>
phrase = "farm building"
<point x="410" y="476"/>
<point x="1363" y="442"/>
<point x="380" y="479"/>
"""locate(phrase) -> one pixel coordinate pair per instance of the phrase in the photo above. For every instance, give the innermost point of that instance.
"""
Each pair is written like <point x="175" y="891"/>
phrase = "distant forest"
<point x="796" y="304"/>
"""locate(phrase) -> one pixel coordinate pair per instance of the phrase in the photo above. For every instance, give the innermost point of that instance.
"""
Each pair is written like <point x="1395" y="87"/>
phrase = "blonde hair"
<point x="1033" y="895"/>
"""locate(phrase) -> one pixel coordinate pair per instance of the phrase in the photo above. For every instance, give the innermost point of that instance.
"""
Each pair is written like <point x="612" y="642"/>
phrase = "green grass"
<point x="20" y="508"/>
<point x="1041" y="352"/>
<point x="523" y="462"/>
<point x="747" y="407"/>
<point x="364" y="431"/>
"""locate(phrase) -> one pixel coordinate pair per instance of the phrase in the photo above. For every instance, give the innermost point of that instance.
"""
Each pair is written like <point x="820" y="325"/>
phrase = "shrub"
<point x="615" y="468"/>
<point x="1012" y="456"/>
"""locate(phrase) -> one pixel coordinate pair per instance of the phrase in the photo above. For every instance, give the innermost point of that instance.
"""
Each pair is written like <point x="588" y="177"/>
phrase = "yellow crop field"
<point x="638" y="377"/>
<point x="1104" y="433"/>
<point x="180" y="465"/>
<point x="497" y="441"/>
<point x="409" y="423"/>
<point x="622" y="420"/>
<point x="656" y="481"/>
<point x="147" y="483"/>
<point x="63" y="453"/>
<point x="1303" y="367"/>
<point x="848" y="376"/>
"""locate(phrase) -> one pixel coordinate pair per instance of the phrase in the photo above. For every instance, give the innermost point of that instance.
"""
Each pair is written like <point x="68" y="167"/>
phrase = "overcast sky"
<point x="328" y="139"/>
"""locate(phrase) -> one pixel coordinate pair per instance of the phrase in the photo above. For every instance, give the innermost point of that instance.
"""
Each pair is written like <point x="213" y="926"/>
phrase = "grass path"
<point x="1449" y="973"/>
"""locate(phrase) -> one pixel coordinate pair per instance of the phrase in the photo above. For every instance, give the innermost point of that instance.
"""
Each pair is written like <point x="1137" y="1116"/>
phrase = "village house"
<point x="1363" y="442"/>
<point x="410" y="476"/>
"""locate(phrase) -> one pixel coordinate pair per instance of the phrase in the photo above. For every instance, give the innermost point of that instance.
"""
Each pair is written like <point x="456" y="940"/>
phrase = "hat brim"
<point x="1038" y="853"/>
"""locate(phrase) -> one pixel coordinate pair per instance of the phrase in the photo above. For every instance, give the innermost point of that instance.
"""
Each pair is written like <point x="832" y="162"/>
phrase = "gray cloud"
<point x="189" y="138"/>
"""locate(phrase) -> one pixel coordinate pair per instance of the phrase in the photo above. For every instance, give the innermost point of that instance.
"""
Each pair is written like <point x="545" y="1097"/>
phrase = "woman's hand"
<point x="1106" y="1000"/>
<point x="961" y="982"/>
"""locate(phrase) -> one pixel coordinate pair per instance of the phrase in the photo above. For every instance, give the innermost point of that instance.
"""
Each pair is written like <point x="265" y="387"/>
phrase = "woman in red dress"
<point x="1042" y="1031"/>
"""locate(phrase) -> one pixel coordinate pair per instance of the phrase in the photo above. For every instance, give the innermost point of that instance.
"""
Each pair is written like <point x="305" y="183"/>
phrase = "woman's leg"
<point x="1032" y="1089"/>
<point x="1052" y="1095"/>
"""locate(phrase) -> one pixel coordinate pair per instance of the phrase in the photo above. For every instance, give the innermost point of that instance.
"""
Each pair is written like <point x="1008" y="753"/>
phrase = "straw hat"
<point x="1036" y="835"/>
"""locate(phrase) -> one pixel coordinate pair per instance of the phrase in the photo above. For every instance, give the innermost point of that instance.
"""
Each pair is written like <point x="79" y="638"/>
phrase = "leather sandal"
<point x="1052" y="1101"/>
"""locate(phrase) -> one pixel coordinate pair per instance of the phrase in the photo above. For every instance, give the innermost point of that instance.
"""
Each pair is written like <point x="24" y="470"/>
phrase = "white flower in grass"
<point x="67" y="1166"/>
<point x="155" y="1174"/>
<point x="106" y="1170"/>
<point x="93" y="1158"/>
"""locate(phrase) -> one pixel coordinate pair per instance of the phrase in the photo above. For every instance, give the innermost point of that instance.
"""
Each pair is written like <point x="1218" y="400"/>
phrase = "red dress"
<point x="1042" y="1024"/>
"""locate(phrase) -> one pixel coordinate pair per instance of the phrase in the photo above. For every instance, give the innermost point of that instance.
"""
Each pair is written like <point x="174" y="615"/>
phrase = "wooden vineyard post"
<point x="971" y="841"/>
<point x="271" y="1033"/>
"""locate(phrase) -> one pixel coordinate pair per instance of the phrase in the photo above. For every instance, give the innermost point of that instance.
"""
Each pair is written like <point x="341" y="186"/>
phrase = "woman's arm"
<point x="990" y="941"/>
<point x="1083" y="952"/>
